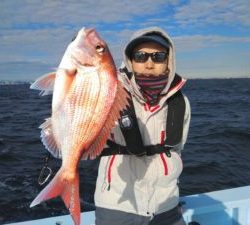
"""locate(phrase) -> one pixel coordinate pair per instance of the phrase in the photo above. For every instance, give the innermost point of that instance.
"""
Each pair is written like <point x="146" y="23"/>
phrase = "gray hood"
<point x="171" y="61"/>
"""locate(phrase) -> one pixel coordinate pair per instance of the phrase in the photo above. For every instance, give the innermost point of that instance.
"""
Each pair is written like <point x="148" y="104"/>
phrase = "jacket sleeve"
<point x="186" y="123"/>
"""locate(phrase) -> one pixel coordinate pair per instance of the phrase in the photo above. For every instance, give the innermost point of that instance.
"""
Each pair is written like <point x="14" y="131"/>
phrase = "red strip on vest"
<point x="147" y="107"/>
<point x="164" y="164"/>
<point x="163" y="137"/>
<point x="154" y="108"/>
<point x="110" y="168"/>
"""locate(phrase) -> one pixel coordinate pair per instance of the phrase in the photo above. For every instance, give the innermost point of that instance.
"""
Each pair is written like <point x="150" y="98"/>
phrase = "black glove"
<point x="113" y="148"/>
<point x="112" y="144"/>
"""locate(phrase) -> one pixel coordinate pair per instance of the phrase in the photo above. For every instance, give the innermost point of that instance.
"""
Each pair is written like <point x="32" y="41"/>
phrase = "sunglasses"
<point x="142" y="57"/>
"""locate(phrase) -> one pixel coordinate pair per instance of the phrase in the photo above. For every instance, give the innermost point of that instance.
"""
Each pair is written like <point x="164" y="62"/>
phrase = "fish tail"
<point x="67" y="189"/>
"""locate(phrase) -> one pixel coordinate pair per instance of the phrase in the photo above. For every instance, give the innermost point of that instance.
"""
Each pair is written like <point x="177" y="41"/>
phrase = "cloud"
<point x="39" y="31"/>
<point x="73" y="13"/>
<point x="197" y="42"/>
<point x="23" y="70"/>
<point x="200" y="56"/>
<point x="33" y="45"/>
<point x="201" y="13"/>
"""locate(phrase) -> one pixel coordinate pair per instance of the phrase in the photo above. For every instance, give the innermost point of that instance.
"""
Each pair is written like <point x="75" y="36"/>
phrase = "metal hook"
<point x="42" y="178"/>
<point x="45" y="170"/>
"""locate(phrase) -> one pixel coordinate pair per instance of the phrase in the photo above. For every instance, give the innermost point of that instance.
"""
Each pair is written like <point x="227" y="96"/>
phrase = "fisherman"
<point x="138" y="174"/>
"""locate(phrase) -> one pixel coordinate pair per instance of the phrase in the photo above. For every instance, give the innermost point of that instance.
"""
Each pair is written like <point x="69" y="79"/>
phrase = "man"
<point x="138" y="174"/>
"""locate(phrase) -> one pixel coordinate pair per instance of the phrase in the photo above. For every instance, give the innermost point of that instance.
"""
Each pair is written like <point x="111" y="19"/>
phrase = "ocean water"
<point x="215" y="157"/>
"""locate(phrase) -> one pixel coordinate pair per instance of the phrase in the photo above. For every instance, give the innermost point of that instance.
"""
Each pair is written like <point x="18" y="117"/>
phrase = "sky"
<point x="211" y="37"/>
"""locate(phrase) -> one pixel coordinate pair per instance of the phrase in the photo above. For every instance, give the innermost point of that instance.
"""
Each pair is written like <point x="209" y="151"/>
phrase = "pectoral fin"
<point x="45" y="83"/>
<point x="48" y="139"/>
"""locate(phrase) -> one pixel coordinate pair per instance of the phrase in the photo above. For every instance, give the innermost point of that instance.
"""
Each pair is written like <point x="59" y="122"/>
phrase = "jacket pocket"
<point x="105" y="171"/>
<point x="170" y="169"/>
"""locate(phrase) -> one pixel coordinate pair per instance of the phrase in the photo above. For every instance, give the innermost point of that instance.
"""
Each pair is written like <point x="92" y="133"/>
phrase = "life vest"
<point x="130" y="129"/>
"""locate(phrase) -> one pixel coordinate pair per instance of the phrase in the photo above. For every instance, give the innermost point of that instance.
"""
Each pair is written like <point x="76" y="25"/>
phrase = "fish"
<point x="87" y="99"/>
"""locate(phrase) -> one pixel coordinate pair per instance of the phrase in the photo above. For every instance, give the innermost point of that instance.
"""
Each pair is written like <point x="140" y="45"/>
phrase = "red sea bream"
<point x="87" y="100"/>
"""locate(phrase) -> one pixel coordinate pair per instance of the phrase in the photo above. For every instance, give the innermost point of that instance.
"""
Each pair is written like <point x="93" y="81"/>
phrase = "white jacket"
<point x="144" y="185"/>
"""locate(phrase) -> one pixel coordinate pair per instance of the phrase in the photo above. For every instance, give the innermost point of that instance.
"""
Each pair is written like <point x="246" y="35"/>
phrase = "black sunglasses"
<point x="142" y="57"/>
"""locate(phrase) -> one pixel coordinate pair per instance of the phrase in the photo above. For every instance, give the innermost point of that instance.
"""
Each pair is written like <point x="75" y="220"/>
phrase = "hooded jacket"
<point x="145" y="185"/>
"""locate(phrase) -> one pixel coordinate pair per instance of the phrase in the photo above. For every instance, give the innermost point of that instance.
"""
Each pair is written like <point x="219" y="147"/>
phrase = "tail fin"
<point x="67" y="190"/>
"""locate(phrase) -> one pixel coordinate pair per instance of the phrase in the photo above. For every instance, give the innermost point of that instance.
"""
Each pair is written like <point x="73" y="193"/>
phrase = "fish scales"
<point x="103" y="107"/>
<point x="84" y="108"/>
<point x="86" y="115"/>
<point x="75" y="115"/>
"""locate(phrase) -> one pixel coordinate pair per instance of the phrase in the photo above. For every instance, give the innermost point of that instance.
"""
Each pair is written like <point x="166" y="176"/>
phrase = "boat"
<point x="224" y="207"/>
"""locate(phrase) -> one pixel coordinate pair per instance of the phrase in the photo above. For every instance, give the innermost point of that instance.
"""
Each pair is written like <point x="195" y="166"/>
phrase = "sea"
<point x="216" y="155"/>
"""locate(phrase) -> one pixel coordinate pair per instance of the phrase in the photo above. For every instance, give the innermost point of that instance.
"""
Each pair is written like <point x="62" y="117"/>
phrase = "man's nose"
<point x="149" y="64"/>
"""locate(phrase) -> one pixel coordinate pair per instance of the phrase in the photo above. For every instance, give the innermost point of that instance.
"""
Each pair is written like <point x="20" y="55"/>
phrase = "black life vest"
<point x="131" y="132"/>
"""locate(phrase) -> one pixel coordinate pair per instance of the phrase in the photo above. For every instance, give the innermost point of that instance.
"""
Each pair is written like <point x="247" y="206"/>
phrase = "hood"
<point x="172" y="68"/>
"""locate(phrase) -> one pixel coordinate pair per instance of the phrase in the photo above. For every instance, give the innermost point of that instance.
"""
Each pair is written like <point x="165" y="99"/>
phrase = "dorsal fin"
<point x="120" y="103"/>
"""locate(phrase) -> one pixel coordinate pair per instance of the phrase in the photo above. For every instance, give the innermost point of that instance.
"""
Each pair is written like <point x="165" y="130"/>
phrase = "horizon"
<point x="10" y="82"/>
<point x="212" y="38"/>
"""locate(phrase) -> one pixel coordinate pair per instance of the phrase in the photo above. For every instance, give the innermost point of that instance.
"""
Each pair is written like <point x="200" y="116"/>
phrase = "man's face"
<point x="150" y="67"/>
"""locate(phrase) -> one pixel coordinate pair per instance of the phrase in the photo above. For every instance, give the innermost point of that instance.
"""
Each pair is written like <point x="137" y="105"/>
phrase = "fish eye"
<point x="100" y="49"/>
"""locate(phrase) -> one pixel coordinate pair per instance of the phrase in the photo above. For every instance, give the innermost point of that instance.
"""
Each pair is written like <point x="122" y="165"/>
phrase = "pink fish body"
<point x="87" y="100"/>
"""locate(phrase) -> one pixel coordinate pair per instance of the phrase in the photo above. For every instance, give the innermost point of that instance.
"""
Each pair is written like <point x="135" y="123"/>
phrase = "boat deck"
<point x="226" y="207"/>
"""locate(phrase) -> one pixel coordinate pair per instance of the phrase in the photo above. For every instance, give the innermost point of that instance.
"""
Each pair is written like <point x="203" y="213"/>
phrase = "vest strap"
<point x="124" y="150"/>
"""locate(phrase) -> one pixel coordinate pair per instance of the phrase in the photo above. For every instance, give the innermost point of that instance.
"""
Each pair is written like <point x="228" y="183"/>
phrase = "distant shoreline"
<point x="8" y="82"/>
<point x="16" y="82"/>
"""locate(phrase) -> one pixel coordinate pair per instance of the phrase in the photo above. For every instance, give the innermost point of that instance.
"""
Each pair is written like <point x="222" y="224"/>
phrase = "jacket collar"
<point x="130" y="84"/>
